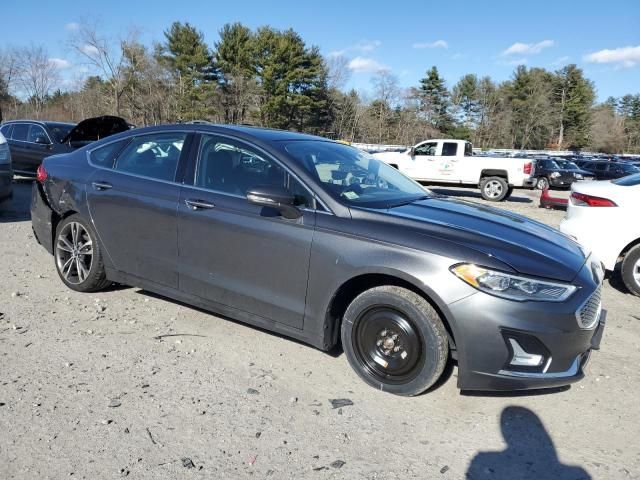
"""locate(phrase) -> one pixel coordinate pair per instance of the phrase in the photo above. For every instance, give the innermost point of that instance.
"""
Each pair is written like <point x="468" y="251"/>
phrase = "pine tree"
<point x="436" y="101"/>
<point x="573" y="97"/>
<point x="187" y="54"/>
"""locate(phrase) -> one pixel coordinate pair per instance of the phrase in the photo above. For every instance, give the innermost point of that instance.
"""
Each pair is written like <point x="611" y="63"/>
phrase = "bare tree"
<point x="100" y="53"/>
<point x="36" y="74"/>
<point x="338" y="71"/>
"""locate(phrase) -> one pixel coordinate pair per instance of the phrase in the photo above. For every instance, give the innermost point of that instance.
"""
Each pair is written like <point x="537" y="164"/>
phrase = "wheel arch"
<point x="354" y="286"/>
<point x="494" y="172"/>
<point x="56" y="218"/>
<point x="629" y="246"/>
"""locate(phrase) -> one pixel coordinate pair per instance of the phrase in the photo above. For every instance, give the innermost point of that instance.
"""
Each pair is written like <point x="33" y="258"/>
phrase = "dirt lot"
<point x="88" y="390"/>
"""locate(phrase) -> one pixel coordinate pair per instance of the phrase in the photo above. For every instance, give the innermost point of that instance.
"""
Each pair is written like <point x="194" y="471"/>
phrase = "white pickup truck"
<point x="452" y="162"/>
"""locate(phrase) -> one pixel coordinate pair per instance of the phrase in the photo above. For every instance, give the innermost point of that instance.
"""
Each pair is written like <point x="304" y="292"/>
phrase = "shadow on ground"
<point x="530" y="453"/>
<point x="17" y="208"/>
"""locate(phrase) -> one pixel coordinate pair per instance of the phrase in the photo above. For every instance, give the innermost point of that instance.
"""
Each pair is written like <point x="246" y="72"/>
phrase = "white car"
<point x="603" y="217"/>
<point x="451" y="162"/>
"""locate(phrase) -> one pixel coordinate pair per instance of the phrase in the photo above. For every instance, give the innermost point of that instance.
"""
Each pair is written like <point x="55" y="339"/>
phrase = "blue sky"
<point x="486" y="37"/>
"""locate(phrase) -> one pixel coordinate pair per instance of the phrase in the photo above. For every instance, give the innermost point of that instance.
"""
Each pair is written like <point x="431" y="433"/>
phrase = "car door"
<point x="133" y="200"/>
<point x="449" y="169"/>
<point x="233" y="252"/>
<point x="423" y="163"/>
<point x="19" y="150"/>
<point x="39" y="146"/>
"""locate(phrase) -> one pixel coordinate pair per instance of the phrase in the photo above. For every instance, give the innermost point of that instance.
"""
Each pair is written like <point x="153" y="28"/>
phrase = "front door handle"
<point x="101" y="185"/>
<point x="194" y="204"/>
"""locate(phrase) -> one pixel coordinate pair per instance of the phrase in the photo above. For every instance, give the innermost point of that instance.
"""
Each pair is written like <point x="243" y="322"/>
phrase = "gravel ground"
<point x="125" y="383"/>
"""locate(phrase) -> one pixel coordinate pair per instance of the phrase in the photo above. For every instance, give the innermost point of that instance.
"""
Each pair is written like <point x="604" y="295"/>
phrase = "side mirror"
<point x="42" y="140"/>
<point x="412" y="152"/>
<point x="278" y="198"/>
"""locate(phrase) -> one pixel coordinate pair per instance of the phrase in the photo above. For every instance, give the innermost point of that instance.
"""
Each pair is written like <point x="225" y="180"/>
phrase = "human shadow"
<point x="530" y="453"/>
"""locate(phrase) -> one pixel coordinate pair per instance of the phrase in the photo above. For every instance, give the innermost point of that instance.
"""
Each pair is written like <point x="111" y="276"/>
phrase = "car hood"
<point x="529" y="247"/>
<point x="93" y="129"/>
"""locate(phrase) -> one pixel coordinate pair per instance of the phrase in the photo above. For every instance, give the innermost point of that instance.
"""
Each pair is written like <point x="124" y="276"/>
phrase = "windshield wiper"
<point x="408" y="202"/>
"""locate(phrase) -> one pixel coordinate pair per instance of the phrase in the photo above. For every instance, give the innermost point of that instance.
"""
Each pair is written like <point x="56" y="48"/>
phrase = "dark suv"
<point x="551" y="172"/>
<point x="32" y="141"/>
<point x="606" y="170"/>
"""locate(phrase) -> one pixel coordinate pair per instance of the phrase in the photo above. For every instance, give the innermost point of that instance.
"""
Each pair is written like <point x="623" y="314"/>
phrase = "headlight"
<point x="555" y="175"/>
<point x="512" y="287"/>
<point x="578" y="176"/>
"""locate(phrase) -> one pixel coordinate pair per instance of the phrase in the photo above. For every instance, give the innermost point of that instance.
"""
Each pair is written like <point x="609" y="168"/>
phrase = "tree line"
<point x="272" y="78"/>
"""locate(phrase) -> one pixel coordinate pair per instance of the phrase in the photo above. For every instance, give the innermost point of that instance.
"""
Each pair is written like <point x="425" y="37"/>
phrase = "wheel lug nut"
<point x="396" y="349"/>
<point x="394" y="337"/>
<point x="383" y="333"/>
<point x="379" y="342"/>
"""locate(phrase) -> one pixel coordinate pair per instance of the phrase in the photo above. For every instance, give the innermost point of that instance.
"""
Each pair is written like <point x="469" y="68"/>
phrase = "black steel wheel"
<point x="394" y="340"/>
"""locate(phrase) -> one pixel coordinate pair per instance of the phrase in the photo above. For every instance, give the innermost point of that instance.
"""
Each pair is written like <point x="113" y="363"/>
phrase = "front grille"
<point x="589" y="313"/>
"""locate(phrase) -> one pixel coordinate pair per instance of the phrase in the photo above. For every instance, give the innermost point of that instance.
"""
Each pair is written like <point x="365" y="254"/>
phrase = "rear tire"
<point x="494" y="189"/>
<point x="395" y="340"/>
<point x="631" y="270"/>
<point x="78" y="255"/>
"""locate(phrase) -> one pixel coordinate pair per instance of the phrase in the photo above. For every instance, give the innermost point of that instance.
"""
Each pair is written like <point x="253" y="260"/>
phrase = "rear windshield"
<point x="630" y="181"/>
<point x="59" y="131"/>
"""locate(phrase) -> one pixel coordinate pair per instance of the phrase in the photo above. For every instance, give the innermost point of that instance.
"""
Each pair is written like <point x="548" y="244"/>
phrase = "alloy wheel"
<point x="388" y="345"/>
<point x="493" y="189"/>
<point x="74" y="253"/>
<point x="635" y="271"/>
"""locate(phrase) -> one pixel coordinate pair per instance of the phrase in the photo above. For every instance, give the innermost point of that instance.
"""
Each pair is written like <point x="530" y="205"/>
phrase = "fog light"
<point x="521" y="358"/>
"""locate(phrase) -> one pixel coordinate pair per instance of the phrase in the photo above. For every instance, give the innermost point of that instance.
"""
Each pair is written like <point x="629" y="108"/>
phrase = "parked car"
<point x="451" y="162"/>
<point x="320" y="241"/>
<point x="600" y="216"/>
<point x="6" y="172"/>
<point x="606" y="170"/>
<point x="31" y="141"/>
<point x="549" y="173"/>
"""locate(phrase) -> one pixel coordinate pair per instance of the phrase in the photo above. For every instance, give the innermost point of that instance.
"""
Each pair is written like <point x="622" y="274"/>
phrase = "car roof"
<point x="40" y="122"/>
<point x="266" y="135"/>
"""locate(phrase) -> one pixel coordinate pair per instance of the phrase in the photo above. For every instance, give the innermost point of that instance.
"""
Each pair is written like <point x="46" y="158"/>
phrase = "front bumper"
<point x="485" y="324"/>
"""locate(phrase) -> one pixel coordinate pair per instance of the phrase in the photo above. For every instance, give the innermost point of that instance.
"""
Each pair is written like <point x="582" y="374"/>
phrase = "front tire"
<point x="542" y="183"/>
<point x="78" y="255"/>
<point x="395" y="340"/>
<point x="494" y="189"/>
<point x="631" y="270"/>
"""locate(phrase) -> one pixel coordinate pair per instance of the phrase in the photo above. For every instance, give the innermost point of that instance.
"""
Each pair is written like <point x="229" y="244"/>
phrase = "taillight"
<point x="527" y="168"/>
<point x="41" y="174"/>
<point x="590" y="201"/>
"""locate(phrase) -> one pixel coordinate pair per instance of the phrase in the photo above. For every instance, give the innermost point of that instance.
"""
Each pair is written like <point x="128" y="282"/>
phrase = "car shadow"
<point x="18" y="207"/>
<point x="470" y="193"/>
<point x="530" y="452"/>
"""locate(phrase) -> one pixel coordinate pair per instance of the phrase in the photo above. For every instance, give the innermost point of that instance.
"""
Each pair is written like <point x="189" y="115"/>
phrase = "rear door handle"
<point x="194" y="204"/>
<point x="101" y="185"/>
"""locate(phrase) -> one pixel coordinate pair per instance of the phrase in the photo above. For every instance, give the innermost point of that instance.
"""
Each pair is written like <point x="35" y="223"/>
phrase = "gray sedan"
<point x="321" y="242"/>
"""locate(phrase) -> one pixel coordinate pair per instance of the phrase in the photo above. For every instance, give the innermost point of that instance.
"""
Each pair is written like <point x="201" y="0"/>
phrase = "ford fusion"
<point x="319" y="241"/>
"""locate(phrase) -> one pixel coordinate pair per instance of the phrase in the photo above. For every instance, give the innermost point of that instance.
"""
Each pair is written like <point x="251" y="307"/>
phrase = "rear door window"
<point x="106" y="156"/>
<point x="37" y="132"/>
<point x="6" y="131"/>
<point x="154" y="156"/>
<point x="20" y="132"/>
<point x="449" y="149"/>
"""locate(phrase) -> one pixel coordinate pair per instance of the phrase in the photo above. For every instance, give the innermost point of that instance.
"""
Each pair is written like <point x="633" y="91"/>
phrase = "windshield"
<point x="566" y="164"/>
<point x="59" y="131"/>
<point x="355" y="177"/>
<point x="626" y="168"/>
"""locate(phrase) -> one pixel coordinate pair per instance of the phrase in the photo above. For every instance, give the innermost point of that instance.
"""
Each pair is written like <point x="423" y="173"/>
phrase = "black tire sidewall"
<point x="426" y="321"/>
<point x="96" y="278"/>
<point x="626" y="271"/>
